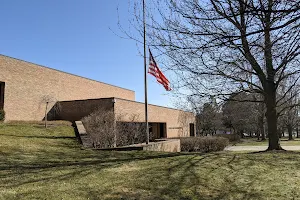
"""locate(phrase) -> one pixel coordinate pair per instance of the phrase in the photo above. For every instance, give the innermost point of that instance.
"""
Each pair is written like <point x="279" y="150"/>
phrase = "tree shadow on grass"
<point x="79" y="163"/>
<point x="211" y="176"/>
<point x="158" y="175"/>
<point x="183" y="179"/>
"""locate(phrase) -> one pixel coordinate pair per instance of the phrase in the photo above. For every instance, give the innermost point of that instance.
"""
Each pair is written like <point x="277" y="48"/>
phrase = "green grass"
<point x="255" y="142"/>
<point x="49" y="164"/>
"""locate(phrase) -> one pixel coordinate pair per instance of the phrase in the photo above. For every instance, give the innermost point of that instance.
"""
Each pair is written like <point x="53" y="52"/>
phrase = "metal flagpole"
<point x="145" y="74"/>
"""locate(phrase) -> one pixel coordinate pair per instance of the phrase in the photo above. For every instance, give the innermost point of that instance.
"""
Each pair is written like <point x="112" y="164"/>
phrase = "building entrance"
<point x="157" y="130"/>
<point x="192" y="129"/>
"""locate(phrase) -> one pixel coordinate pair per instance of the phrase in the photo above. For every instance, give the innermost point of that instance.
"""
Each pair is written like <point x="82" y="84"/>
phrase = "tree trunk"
<point x="270" y="87"/>
<point x="263" y="135"/>
<point x="258" y="134"/>
<point x="280" y="133"/>
<point x="272" y="130"/>
<point x="272" y="117"/>
<point x="241" y="134"/>
<point x="297" y="131"/>
<point x="290" y="131"/>
<point x="261" y="126"/>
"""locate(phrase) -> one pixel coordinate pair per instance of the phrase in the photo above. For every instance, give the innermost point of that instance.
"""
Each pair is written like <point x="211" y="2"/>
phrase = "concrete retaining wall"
<point x="171" y="145"/>
<point x="83" y="136"/>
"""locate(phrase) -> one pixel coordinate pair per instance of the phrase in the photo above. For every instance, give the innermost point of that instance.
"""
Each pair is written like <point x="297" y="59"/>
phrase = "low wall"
<point x="83" y="136"/>
<point x="171" y="145"/>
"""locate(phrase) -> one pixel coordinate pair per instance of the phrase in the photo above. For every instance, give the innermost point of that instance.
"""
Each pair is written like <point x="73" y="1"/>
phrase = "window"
<point x="192" y="129"/>
<point x="2" y="86"/>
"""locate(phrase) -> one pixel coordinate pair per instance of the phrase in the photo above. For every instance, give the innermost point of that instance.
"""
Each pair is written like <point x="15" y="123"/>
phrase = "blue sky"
<point x="77" y="36"/>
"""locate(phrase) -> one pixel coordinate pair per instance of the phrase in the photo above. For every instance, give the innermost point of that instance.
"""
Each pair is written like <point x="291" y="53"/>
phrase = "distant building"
<point x="26" y="87"/>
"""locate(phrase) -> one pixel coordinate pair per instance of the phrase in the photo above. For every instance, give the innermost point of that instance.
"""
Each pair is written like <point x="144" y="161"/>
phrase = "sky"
<point x="79" y="37"/>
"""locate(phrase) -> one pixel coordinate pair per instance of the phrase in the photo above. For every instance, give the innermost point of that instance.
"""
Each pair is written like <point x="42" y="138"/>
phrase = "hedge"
<point x="203" y="144"/>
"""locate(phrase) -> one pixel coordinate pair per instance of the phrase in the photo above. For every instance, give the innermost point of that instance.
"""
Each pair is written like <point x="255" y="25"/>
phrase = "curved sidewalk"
<point x="258" y="148"/>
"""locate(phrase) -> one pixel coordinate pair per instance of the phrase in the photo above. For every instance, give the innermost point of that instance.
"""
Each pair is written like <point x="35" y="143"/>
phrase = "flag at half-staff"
<point x="156" y="72"/>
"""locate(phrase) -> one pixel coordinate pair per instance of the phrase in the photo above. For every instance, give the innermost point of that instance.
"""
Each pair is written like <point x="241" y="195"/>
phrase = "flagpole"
<point x="145" y="75"/>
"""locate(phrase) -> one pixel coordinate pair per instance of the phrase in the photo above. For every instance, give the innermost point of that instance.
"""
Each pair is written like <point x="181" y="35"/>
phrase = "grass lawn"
<point x="49" y="164"/>
<point x="255" y="142"/>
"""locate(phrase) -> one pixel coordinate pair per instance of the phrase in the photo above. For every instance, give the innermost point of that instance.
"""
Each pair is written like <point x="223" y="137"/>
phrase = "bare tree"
<point x="289" y="116"/>
<point x="221" y="47"/>
<point x="240" y="116"/>
<point x="47" y="100"/>
<point x="261" y="121"/>
<point x="209" y="120"/>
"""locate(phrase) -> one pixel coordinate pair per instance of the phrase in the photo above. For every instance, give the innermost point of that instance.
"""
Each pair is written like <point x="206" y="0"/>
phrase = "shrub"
<point x="203" y="144"/>
<point x="130" y="133"/>
<point x="230" y="137"/>
<point x="106" y="131"/>
<point x="2" y="115"/>
<point x="100" y="126"/>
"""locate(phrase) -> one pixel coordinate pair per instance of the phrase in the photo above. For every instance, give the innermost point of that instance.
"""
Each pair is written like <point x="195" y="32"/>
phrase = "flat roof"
<point x="42" y="66"/>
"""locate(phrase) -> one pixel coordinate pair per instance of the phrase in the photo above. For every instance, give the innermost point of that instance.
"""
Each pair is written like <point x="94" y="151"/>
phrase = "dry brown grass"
<point x="39" y="163"/>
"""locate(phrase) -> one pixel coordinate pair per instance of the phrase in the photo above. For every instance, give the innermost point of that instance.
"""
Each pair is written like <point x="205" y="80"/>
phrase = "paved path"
<point x="259" y="148"/>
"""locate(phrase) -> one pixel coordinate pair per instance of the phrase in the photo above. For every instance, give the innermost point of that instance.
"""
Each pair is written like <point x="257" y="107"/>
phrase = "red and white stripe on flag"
<point x="155" y="71"/>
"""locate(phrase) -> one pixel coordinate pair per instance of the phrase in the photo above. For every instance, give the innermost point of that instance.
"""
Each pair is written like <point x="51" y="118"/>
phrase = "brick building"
<point x="26" y="87"/>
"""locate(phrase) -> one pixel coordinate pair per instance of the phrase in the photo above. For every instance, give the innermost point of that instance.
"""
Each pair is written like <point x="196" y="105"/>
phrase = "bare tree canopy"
<point x="222" y="47"/>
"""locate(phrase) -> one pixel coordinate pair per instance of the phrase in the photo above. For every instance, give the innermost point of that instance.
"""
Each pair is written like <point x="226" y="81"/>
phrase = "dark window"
<point x="2" y="86"/>
<point x="150" y="128"/>
<point x="192" y="129"/>
<point x="162" y="130"/>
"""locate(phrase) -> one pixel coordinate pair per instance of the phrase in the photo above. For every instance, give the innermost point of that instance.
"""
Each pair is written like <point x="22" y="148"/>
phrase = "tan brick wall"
<point x="27" y="83"/>
<point x="177" y="121"/>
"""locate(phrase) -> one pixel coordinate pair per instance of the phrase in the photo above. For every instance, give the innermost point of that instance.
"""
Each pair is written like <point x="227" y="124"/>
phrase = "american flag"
<point x="155" y="71"/>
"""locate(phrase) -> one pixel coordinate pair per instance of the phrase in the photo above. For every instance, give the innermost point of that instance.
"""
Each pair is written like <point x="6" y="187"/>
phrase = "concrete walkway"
<point x="258" y="148"/>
